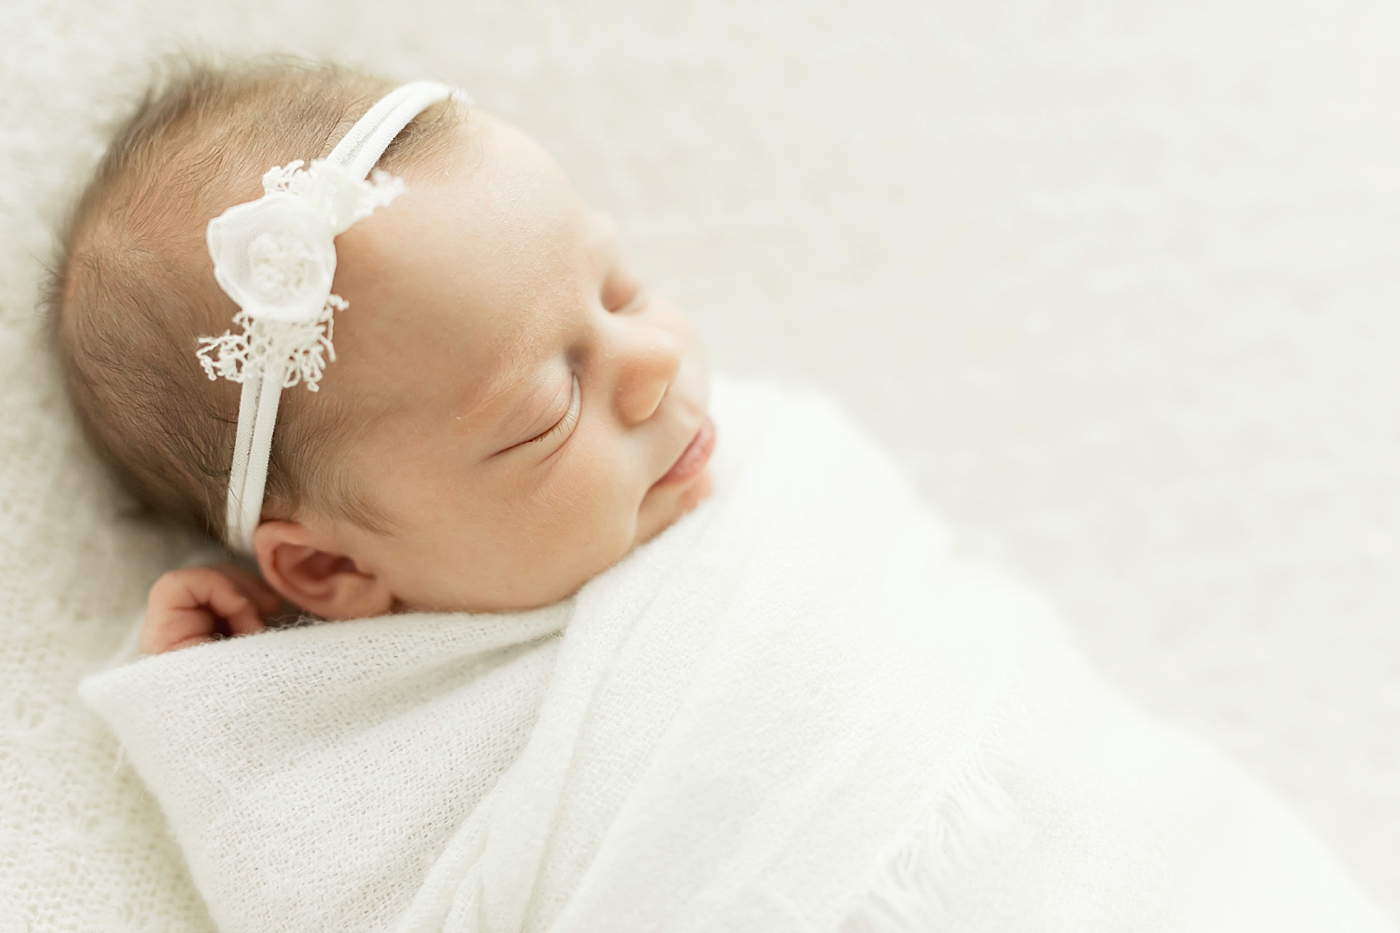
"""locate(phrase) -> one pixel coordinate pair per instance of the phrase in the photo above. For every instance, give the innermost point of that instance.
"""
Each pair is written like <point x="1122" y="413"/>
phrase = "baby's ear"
<point x="310" y="571"/>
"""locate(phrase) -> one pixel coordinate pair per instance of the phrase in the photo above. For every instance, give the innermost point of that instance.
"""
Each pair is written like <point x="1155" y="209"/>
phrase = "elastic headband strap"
<point x="362" y="147"/>
<point x="356" y="154"/>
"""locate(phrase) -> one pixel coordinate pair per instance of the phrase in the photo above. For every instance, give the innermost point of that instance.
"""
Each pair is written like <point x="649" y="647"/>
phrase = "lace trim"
<point x="305" y="346"/>
<point x="339" y="197"/>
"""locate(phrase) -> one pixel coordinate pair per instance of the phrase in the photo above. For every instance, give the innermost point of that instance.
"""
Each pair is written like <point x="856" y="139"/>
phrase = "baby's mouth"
<point x="693" y="459"/>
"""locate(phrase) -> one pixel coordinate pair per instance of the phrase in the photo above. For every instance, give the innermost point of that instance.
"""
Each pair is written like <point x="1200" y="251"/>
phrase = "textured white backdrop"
<point x="1117" y="279"/>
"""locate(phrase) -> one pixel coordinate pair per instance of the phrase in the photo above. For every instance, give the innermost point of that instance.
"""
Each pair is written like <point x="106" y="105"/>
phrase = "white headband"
<point x="275" y="257"/>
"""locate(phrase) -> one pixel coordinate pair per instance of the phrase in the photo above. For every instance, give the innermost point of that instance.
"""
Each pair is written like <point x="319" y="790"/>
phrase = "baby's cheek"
<point x="615" y="531"/>
<point x="588" y="515"/>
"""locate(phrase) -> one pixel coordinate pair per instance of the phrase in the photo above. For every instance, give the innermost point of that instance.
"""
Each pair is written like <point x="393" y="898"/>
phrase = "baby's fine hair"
<point x="133" y="288"/>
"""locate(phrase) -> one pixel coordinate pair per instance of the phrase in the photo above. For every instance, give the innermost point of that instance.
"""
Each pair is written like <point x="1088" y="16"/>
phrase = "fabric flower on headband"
<point x="275" y="257"/>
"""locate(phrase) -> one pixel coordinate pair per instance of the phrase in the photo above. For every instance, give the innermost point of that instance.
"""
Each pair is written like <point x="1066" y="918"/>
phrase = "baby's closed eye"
<point x="566" y="423"/>
<point x="558" y="424"/>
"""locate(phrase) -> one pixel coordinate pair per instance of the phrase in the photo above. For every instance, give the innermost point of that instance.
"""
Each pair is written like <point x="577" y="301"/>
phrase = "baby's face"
<point x="531" y="411"/>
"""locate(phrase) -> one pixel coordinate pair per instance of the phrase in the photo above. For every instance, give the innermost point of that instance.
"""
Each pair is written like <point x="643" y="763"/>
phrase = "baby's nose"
<point x="646" y="369"/>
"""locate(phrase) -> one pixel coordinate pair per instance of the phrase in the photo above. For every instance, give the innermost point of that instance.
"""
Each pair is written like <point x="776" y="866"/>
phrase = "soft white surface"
<point x="1116" y="278"/>
<point x="793" y="711"/>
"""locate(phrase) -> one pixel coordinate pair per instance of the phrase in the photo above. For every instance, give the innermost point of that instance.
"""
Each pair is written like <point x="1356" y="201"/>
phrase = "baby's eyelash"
<point x="565" y="424"/>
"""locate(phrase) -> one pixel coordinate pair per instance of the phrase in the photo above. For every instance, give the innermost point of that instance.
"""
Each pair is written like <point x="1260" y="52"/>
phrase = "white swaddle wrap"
<point x="792" y="711"/>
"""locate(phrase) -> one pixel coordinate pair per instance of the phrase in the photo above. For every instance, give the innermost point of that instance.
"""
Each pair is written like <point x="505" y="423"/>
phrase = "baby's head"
<point x="510" y="410"/>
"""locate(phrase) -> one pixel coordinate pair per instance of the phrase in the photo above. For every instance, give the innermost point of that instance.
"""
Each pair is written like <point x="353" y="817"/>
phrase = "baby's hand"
<point x="199" y="604"/>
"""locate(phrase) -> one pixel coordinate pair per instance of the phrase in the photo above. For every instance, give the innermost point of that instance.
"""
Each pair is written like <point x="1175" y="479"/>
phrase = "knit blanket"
<point x="795" y="710"/>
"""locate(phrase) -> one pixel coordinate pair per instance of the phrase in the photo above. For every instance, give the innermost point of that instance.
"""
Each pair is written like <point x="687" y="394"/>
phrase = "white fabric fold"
<point x="795" y="710"/>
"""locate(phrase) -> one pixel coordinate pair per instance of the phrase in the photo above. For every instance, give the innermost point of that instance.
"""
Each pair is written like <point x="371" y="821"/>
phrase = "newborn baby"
<point x="510" y="410"/>
<point x="795" y="710"/>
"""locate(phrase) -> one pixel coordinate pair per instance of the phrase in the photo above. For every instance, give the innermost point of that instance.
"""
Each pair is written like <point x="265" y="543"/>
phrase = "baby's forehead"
<point x="497" y="220"/>
<point x="519" y="185"/>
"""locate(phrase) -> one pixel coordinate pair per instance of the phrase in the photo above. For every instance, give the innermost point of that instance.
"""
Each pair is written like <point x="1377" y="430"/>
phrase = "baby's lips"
<point x="693" y="459"/>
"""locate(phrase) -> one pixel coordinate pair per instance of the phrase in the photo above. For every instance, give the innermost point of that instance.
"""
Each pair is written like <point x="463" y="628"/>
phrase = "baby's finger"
<point x="193" y="605"/>
<point x="265" y="598"/>
<point x="236" y="610"/>
<point x="177" y="628"/>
